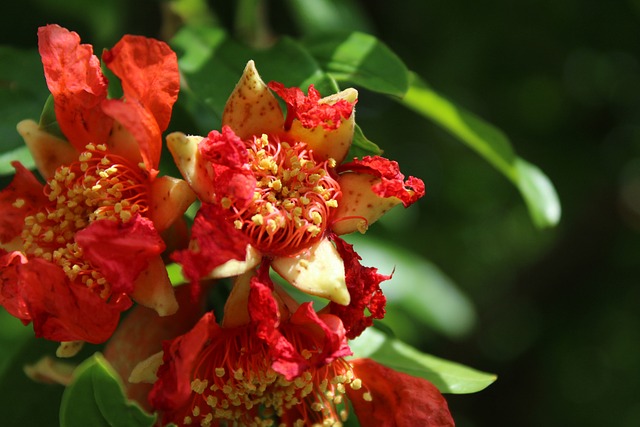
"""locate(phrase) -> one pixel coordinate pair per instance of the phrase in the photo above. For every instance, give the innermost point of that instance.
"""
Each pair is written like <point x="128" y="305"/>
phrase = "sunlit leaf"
<point x="327" y="16"/>
<point x="175" y="274"/>
<point x="536" y="189"/>
<point x="21" y="154"/>
<point x="95" y="398"/>
<point x="447" y="376"/>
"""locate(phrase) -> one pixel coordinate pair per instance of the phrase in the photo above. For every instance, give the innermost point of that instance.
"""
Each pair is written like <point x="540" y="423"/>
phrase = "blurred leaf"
<point x="49" y="121"/>
<point x="21" y="154"/>
<point x="328" y="16"/>
<point x="418" y="287"/>
<point x="362" y="60"/>
<point x="447" y="376"/>
<point x="536" y="189"/>
<point x="175" y="274"/>
<point x="96" y="398"/>
<point x="193" y="12"/>
<point x="361" y="146"/>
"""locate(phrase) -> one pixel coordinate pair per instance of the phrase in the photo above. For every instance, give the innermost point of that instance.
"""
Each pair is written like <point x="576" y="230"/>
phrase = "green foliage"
<point x="447" y="376"/>
<point x="96" y="398"/>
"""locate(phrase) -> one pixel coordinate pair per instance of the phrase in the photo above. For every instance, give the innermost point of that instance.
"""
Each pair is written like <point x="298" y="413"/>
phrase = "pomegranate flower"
<point x="276" y="187"/>
<point x="74" y="251"/>
<point x="274" y="362"/>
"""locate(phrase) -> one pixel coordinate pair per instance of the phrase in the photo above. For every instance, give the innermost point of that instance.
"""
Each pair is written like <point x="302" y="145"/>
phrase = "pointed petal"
<point x="252" y="109"/>
<point x="148" y="70"/>
<point x="329" y="143"/>
<point x="359" y="206"/>
<point x="395" y="399"/>
<point x="77" y="84"/>
<point x="153" y="288"/>
<point x="318" y="270"/>
<point x="170" y="198"/>
<point x="193" y="167"/>
<point x="49" y="152"/>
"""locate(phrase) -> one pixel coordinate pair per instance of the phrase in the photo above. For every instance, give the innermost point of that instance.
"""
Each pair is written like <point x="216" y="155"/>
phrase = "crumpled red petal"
<point x="228" y="158"/>
<point x="39" y="291"/>
<point x="392" y="182"/>
<point x="121" y="251"/>
<point x="173" y="387"/>
<point x="363" y="284"/>
<point x="77" y="84"/>
<point x="215" y="241"/>
<point x="26" y="187"/>
<point x="398" y="399"/>
<point x="150" y="78"/>
<point x="308" y="110"/>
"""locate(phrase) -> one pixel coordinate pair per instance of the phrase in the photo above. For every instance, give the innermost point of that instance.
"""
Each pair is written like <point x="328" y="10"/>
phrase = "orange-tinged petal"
<point x="252" y="109"/>
<point x="170" y="198"/>
<point x="329" y="143"/>
<point x="48" y="151"/>
<point x="360" y="206"/>
<point x="153" y="288"/>
<point x="193" y="167"/>
<point x="77" y="84"/>
<point x="393" y="399"/>
<point x="318" y="270"/>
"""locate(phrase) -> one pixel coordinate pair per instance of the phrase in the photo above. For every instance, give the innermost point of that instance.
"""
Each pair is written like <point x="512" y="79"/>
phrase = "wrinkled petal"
<point x="397" y="399"/>
<point x="173" y="387"/>
<point x="49" y="152"/>
<point x="251" y="108"/>
<point x="318" y="270"/>
<point x="77" y="84"/>
<point x="392" y="182"/>
<point x="120" y="251"/>
<point x="20" y="198"/>
<point x="148" y="70"/>
<point x="363" y="284"/>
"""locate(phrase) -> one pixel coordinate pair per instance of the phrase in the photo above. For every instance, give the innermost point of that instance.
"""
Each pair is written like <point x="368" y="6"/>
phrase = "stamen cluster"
<point x="100" y="185"/>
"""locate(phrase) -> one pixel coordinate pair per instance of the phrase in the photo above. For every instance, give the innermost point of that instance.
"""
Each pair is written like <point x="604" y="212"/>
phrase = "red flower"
<point x="274" y="188"/>
<point x="273" y="362"/>
<point x="76" y="250"/>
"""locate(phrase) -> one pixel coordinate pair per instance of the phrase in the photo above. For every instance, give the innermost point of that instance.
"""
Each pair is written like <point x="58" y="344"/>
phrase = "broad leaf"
<point x="447" y="376"/>
<point x="96" y="398"/>
<point x="328" y="16"/>
<point x="21" y="154"/>
<point x="536" y="189"/>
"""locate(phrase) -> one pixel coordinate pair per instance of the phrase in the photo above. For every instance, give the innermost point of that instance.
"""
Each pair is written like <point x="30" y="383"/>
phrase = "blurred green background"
<point x="553" y="312"/>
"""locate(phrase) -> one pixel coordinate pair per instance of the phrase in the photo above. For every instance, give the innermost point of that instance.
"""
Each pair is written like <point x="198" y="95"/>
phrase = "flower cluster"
<point x="277" y="190"/>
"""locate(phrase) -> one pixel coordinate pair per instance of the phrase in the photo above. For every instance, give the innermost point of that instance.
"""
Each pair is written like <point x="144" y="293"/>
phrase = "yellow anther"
<point x="333" y="203"/>
<point x="305" y="200"/>
<point x="356" y="384"/>
<point x="219" y="372"/>
<point x="367" y="396"/>
<point x="226" y="203"/>
<point x="316" y="217"/>
<point x="257" y="219"/>
<point x="237" y="224"/>
<point x="18" y="203"/>
<point x="101" y="147"/>
<point x="276" y="185"/>
<point x="195" y="411"/>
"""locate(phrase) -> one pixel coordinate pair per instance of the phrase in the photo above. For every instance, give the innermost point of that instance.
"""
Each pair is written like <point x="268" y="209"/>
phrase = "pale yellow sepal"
<point x="153" y="289"/>
<point x="49" y="152"/>
<point x="147" y="370"/>
<point x="193" y="168"/>
<point x="252" y="109"/>
<point x="327" y="144"/>
<point x="123" y="143"/>
<point x="318" y="271"/>
<point x="236" y="310"/>
<point x="360" y="206"/>
<point x="69" y="348"/>
<point x="235" y="267"/>
<point x="170" y="198"/>
<point x="49" y="370"/>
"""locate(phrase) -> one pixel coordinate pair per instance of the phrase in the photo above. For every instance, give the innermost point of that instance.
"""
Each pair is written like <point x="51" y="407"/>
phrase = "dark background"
<point x="557" y="310"/>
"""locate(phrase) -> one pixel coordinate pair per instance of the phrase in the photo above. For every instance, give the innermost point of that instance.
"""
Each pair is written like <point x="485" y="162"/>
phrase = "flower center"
<point x="99" y="185"/>
<point x="293" y="199"/>
<point x="234" y="383"/>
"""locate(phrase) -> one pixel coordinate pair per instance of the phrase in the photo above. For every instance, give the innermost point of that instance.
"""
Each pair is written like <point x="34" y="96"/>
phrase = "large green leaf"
<point x="536" y="189"/>
<point x="328" y="16"/>
<point x="447" y="376"/>
<point x="96" y="398"/>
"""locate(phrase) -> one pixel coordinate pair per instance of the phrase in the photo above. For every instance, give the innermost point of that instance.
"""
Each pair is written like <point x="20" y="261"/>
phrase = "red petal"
<point x="215" y="241"/>
<point x="392" y="182"/>
<point x="363" y="284"/>
<point x="148" y="70"/>
<point x="77" y="84"/>
<point x="398" y="399"/>
<point x="173" y="387"/>
<point x="120" y="251"/>
<point x="308" y="110"/>
<point x="228" y="157"/>
<point x="39" y="291"/>
<point x="25" y="187"/>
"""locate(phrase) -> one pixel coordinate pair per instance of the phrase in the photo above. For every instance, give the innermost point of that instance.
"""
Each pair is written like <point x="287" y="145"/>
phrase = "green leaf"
<point x="536" y="189"/>
<point x="21" y="154"/>
<point x="361" y="146"/>
<point x="362" y="60"/>
<point x="447" y="376"/>
<point x="96" y="398"/>
<point x="175" y="274"/>
<point x="328" y="16"/>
